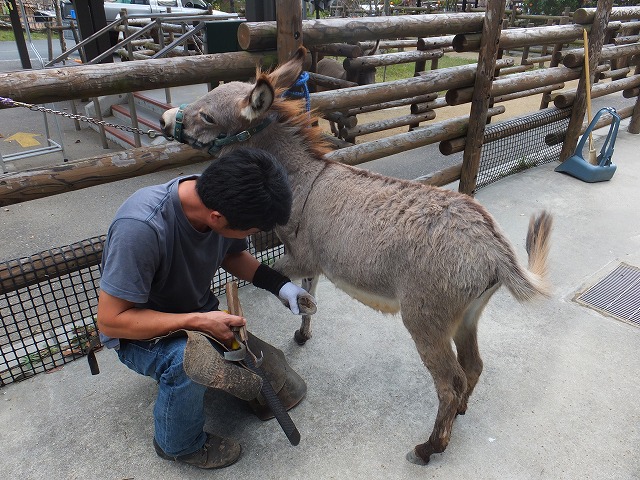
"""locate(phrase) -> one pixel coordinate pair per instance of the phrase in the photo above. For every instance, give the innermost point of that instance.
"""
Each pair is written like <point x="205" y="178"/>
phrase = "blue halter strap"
<point x="301" y="83"/>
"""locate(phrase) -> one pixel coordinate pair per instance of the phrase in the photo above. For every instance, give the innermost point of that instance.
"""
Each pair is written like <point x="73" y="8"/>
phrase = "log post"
<point x="596" y="38"/>
<point x="634" y="123"/>
<point x="491" y="29"/>
<point x="555" y="61"/>
<point x="289" y="20"/>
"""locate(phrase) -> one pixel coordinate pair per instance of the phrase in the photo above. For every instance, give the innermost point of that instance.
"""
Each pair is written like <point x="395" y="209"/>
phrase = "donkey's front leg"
<point x="288" y="266"/>
<point x="301" y="336"/>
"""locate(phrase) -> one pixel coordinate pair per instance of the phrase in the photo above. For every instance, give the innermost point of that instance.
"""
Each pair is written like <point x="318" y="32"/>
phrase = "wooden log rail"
<point x="43" y="182"/>
<point x="88" y="81"/>
<point x="262" y="35"/>
<point x="387" y="124"/>
<point x="330" y="82"/>
<point x="339" y="50"/>
<point x="419" y="99"/>
<point x="614" y="74"/>
<point x="401" y="142"/>
<point x="566" y="99"/>
<point x="521" y="37"/>
<point x="575" y="57"/>
<point x="427" y="82"/>
<point x="527" y="93"/>
<point x="387" y="59"/>
<point x="587" y="15"/>
<point x="49" y="264"/>
<point x="390" y="44"/>
<point x="434" y="104"/>
<point x="431" y="43"/>
<point x="518" y="82"/>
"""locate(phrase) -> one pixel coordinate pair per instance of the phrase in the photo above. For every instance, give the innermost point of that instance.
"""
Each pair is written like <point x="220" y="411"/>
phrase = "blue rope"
<point x="300" y="83"/>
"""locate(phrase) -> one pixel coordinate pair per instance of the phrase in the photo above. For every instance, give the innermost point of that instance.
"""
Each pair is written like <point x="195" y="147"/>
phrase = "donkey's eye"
<point x="207" y="118"/>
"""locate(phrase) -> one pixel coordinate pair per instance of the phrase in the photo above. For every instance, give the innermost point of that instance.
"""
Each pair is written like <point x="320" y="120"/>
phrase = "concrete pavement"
<point x="557" y="399"/>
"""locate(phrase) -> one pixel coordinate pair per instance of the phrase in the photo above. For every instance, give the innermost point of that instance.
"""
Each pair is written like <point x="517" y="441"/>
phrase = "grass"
<point x="8" y="36"/>
<point x="406" y="70"/>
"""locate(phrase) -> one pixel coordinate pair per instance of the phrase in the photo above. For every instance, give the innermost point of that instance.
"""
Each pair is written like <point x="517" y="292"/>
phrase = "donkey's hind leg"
<point x="466" y="340"/>
<point x="433" y="341"/>
<point x="301" y="336"/>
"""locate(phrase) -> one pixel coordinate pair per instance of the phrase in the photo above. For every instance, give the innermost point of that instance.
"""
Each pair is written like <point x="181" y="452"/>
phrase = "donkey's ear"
<point x="259" y="100"/>
<point x="286" y="74"/>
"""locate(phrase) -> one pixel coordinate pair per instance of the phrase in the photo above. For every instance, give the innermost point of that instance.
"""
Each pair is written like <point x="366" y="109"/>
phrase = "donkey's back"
<point x="394" y="238"/>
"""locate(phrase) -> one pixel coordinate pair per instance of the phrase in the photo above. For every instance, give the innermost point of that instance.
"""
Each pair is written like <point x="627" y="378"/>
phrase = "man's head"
<point x="249" y="187"/>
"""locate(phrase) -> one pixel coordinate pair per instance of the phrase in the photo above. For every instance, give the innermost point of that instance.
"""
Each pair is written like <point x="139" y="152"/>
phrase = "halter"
<point x="222" y="139"/>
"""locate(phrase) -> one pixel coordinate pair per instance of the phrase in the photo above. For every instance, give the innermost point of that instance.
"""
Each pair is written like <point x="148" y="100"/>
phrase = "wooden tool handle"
<point x="233" y="303"/>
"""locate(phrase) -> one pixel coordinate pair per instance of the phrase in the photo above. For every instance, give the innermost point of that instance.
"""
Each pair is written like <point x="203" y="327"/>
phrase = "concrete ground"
<point x="558" y="398"/>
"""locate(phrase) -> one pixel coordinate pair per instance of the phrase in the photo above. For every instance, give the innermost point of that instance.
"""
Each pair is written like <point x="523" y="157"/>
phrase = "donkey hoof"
<point x="414" y="458"/>
<point x="300" y="338"/>
<point x="307" y="305"/>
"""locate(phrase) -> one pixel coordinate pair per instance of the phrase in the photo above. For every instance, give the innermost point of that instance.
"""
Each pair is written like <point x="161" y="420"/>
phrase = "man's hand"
<point x="218" y="324"/>
<point x="294" y="297"/>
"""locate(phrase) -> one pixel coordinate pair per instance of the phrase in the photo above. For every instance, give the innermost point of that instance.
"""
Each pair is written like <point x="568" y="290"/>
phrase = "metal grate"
<point x="617" y="294"/>
<point x="48" y="303"/>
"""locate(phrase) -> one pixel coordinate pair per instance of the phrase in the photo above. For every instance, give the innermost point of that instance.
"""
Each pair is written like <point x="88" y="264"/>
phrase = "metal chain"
<point x="83" y="118"/>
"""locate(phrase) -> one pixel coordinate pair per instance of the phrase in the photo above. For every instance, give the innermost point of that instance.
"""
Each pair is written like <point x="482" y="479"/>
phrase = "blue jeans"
<point x="179" y="409"/>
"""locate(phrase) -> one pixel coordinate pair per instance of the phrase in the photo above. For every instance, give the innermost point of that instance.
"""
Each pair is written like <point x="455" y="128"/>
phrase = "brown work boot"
<point x="217" y="452"/>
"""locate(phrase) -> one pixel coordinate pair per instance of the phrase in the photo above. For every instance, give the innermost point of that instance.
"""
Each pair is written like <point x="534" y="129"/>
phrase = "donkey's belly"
<point x="377" y="302"/>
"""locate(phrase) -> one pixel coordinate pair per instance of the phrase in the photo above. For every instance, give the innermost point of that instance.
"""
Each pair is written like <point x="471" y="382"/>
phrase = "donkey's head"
<point x="232" y="112"/>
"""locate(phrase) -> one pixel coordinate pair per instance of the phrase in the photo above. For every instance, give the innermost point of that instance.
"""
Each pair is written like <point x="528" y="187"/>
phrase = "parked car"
<point x="135" y="7"/>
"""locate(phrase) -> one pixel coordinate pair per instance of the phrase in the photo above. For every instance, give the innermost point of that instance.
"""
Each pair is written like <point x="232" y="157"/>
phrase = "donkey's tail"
<point x="526" y="284"/>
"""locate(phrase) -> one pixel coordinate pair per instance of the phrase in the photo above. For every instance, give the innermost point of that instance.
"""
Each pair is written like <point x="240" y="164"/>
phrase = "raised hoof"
<point x="307" y="305"/>
<point x="414" y="458"/>
<point x="300" y="338"/>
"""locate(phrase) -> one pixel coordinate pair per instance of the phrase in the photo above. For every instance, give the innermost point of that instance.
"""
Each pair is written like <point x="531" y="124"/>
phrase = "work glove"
<point x="297" y="299"/>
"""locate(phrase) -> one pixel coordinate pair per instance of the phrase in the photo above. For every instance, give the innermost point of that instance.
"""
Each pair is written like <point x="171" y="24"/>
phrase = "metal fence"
<point x="48" y="305"/>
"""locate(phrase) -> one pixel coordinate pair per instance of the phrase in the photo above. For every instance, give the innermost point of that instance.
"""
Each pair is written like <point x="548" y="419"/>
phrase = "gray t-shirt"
<point x="154" y="257"/>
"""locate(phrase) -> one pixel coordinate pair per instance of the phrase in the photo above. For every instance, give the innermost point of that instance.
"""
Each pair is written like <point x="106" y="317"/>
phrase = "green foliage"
<point x="552" y="7"/>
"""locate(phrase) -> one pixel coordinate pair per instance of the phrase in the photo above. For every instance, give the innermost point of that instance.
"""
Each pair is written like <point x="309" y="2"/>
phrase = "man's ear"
<point x="217" y="218"/>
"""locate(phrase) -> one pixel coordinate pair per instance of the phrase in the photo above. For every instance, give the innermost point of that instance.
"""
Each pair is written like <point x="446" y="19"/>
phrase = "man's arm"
<point x="118" y="318"/>
<point x="241" y="265"/>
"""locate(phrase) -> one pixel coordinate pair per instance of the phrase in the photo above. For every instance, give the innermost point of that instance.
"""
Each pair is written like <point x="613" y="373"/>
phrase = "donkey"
<point x="434" y="255"/>
<point x="331" y="67"/>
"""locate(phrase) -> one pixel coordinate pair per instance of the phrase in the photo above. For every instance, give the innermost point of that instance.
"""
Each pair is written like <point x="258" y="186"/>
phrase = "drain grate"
<point x="617" y="294"/>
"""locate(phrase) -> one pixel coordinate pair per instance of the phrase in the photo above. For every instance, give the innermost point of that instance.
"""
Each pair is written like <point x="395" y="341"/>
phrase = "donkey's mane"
<point x="293" y="114"/>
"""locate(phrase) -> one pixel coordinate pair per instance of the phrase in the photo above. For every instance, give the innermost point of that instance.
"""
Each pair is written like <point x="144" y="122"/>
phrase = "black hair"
<point x="249" y="187"/>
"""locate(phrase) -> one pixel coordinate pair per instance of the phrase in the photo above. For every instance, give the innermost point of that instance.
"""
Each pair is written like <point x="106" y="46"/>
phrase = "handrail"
<point x="64" y="55"/>
<point x="166" y="17"/>
<point x="181" y="39"/>
<point x="122" y="43"/>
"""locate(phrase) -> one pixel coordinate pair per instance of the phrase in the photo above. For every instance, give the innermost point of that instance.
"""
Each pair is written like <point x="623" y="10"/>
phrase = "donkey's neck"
<point x="292" y="149"/>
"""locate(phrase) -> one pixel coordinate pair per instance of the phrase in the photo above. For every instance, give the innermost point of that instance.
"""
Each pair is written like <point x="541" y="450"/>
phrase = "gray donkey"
<point x="435" y="255"/>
